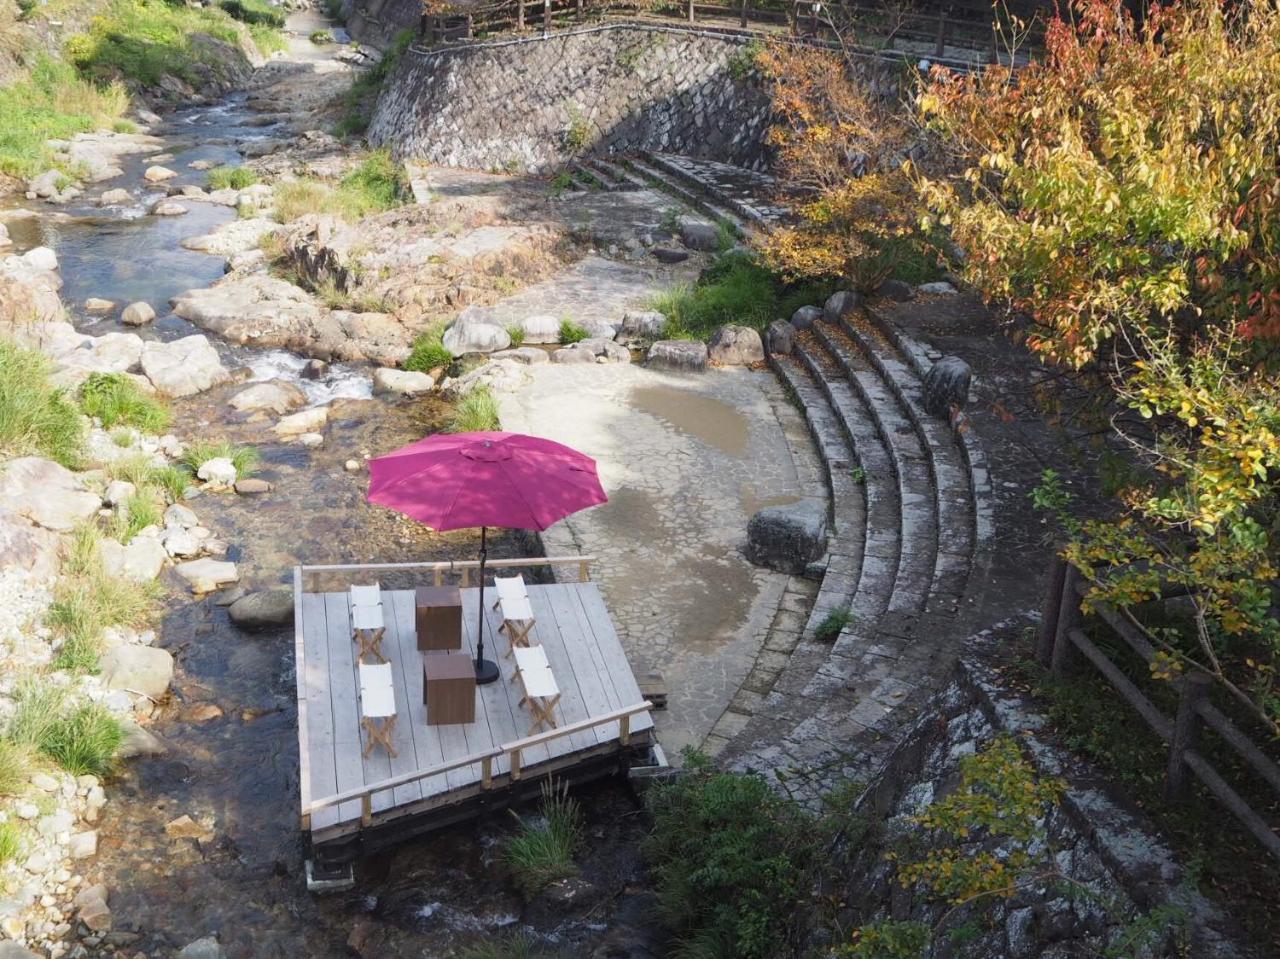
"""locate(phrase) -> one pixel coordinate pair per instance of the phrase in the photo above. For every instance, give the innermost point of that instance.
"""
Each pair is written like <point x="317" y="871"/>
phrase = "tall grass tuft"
<point x="119" y="401"/>
<point x="35" y="416"/>
<point x="378" y="183"/>
<point x="171" y="480"/>
<point x="571" y="332"/>
<point x="542" y="851"/>
<point x="15" y="767"/>
<point x="231" y="178"/>
<point x="10" y="841"/>
<point x="475" y="412"/>
<point x="244" y="458"/>
<point x="428" y="352"/>
<point x="81" y="738"/>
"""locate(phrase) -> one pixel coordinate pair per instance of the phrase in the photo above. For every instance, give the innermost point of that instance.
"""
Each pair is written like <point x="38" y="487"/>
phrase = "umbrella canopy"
<point x="459" y="480"/>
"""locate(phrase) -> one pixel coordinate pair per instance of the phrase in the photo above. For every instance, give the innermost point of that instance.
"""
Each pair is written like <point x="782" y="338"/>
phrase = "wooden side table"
<point x="449" y="687"/>
<point x="438" y="617"/>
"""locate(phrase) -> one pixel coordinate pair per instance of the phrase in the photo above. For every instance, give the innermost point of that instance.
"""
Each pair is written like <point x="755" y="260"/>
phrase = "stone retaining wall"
<point x="531" y="104"/>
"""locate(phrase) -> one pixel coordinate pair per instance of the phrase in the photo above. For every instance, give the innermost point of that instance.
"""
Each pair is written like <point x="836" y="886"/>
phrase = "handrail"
<point x="452" y="564"/>
<point x="514" y="748"/>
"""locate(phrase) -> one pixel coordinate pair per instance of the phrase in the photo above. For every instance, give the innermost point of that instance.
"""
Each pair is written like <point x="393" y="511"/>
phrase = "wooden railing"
<point x="513" y="751"/>
<point x="441" y="569"/>
<point x="965" y="23"/>
<point x="1062" y="644"/>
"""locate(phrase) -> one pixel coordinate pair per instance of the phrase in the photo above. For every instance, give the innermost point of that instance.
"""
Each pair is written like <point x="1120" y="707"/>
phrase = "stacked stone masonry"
<point x="535" y="103"/>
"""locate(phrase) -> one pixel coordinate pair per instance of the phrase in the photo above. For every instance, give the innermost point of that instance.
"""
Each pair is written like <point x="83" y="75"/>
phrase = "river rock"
<point x="219" y="472"/>
<point x="26" y="546"/>
<point x="40" y="258"/>
<point x="805" y="317"/>
<point x="679" y="355"/>
<point x="668" y="255"/>
<point x="115" y="197"/>
<point x="896" y="290"/>
<point x="181" y="543"/>
<point x="179" y="515"/>
<point x="91" y="908"/>
<point x="401" y="382"/>
<point x="184" y="827"/>
<point x="238" y="236"/>
<point x="643" y="324"/>
<point x="733" y="345"/>
<point x="158" y="174"/>
<point x="541" y="328"/>
<point x="12" y="950"/>
<point x="250" y="486"/>
<point x="500" y="376"/>
<point x="570" y="354"/>
<point x="599" y="349"/>
<point x="475" y="338"/>
<point x="273" y="396"/>
<point x="207" y="575"/>
<point x="938" y="288"/>
<point x="141" y="560"/>
<point x="528" y="355"/>
<point x="46" y="493"/>
<point x="306" y="421"/>
<point x="82" y="845"/>
<point x="265" y="609"/>
<point x="97" y="306"/>
<point x="780" y="338"/>
<point x="206" y="948"/>
<point x="600" y="330"/>
<point x="946" y="386"/>
<point x="137" y="314"/>
<point x="699" y="234"/>
<point x="843" y="304"/>
<point x="141" y="669"/>
<point x="138" y="741"/>
<point x="109" y="353"/>
<point x="788" y="538"/>
<point x="252" y="308"/>
<point x="168" y="208"/>
<point x="315" y="370"/>
<point x="183" y="367"/>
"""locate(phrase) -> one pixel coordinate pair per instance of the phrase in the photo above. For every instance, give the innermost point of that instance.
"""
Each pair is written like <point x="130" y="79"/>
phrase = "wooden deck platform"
<point x="438" y="767"/>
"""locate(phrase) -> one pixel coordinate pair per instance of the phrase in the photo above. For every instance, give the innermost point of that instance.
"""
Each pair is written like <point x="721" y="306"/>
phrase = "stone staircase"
<point x="909" y="509"/>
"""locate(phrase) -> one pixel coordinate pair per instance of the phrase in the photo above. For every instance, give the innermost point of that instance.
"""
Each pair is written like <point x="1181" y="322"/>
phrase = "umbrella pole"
<point x="486" y="670"/>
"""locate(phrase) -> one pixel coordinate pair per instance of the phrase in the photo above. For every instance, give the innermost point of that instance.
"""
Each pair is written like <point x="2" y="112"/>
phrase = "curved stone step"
<point x="690" y="196"/>
<point x="746" y="192"/>
<point x="910" y="465"/>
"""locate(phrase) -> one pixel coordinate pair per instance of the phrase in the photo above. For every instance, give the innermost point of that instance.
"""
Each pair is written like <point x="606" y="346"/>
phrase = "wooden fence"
<point x="1062" y="646"/>
<point x="964" y="23"/>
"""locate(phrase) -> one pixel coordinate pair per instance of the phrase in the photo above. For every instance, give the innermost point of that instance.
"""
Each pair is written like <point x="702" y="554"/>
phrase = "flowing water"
<point x="238" y="771"/>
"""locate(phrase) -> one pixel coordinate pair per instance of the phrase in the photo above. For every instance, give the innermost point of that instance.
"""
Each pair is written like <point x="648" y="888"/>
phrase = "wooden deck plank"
<point x="520" y="715"/>
<point x="427" y="744"/>
<point x="400" y="646"/>
<point x="315" y="673"/>
<point x="575" y="674"/>
<point x="453" y="738"/>
<point x="615" y="657"/>
<point x="612" y="700"/>
<point x="495" y="698"/>
<point x="343" y="695"/>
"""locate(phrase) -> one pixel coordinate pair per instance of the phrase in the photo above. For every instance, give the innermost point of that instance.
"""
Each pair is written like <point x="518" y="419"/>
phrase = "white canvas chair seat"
<point x="377" y="706"/>
<point x="541" y="691"/>
<point x="367" y="629"/>
<point x="517" y="620"/>
<point x="509" y="587"/>
<point x="370" y="595"/>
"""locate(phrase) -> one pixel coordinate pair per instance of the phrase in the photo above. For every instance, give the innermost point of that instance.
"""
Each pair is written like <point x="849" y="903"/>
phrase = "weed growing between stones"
<point x="516" y="945"/>
<point x="378" y="183"/>
<point x="118" y="401"/>
<point x="35" y="416"/>
<point x="15" y="767"/>
<point x="139" y="512"/>
<point x="571" y="332"/>
<point x="543" y="850"/>
<point x="231" y="178"/>
<point x="475" y="412"/>
<point x="244" y="458"/>
<point x="82" y="739"/>
<point x="577" y="134"/>
<point x="10" y="841"/>
<point x="254" y="11"/>
<point x="428" y="352"/>
<point x="832" y="625"/>
<point x="320" y="37"/>
<point x="516" y="332"/>
<point x="359" y="99"/>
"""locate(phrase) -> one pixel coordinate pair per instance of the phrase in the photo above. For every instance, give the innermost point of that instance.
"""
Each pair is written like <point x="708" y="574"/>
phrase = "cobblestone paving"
<point x="686" y="461"/>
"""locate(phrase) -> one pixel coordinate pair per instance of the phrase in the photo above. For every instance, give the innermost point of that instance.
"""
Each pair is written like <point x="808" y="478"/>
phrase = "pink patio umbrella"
<point x="463" y="480"/>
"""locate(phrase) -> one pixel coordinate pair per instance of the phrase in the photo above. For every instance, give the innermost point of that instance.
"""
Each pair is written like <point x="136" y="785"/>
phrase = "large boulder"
<point x="263" y="610"/>
<point x="805" y="317"/>
<point x="183" y="367"/>
<point x="219" y="472"/>
<point x="699" y="234"/>
<point x="788" y="538"/>
<point x="141" y="560"/>
<point x="896" y="290"/>
<point x="780" y="338"/>
<point x="500" y="376"/>
<point x="305" y="421"/>
<point x="475" y="338"/>
<point x="238" y="236"/>
<point x="643" y="324"/>
<point x="528" y="355"/>
<point x="23" y="545"/>
<point x="841" y="305"/>
<point x="735" y="346"/>
<point x="271" y="396"/>
<point x="141" y="669"/>
<point x="946" y="386"/>
<point x="682" y="355"/>
<point x="206" y="575"/>
<point x="46" y="493"/>
<point x="206" y="948"/>
<point x="137" y="314"/>
<point x="395" y="382"/>
<point x="541" y="328"/>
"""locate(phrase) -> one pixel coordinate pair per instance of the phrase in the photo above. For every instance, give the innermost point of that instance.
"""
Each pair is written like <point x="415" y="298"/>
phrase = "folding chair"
<point x="517" y="613"/>
<point x="509" y="587"/>
<point x="377" y="706"/>
<point x="539" y="685"/>
<point x="367" y="629"/>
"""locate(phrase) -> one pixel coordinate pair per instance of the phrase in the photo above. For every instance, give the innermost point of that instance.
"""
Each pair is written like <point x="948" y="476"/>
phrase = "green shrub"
<point x="10" y="840"/>
<point x="231" y="177"/>
<point x="359" y="100"/>
<point x="516" y="945"/>
<point x="428" y="352"/>
<point x="475" y="412"/>
<point x="171" y="480"/>
<point x="244" y="458"/>
<point x="320" y="37"/>
<point x="254" y="11"/>
<point x="578" y="134"/>
<point x="516" y="332"/>
<point x="571" y="332"/>
<point x="82" y="739"/>
<point x="267" y="39"/>
<point x="378" y="183"/>
<point x="118" y="401"/>
<point x="542" y="851"/>
<point x="15" y="767"/>
<point x="736" y="288"/>
<point x="35" y="417"/>
<point x="51" y="103"/>
<point x="733" y="863"/>
<point x="832" y="624"/>
<point x="139" y="512"/>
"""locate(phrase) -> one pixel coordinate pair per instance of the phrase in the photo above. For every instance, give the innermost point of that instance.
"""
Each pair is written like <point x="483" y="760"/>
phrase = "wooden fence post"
<point x="471" y="27"/>
<point x="690" y="8"/>
<point x="1049" y="609"/>
<point x="745" y="5"/>
<point x="546" y="16"/>
<point x="941" y="46"/>
<point x="1065" y="656"/>
<point x="1186" y="724"/>
<point x="519" y="14"/>
<point x="579" y="9"/>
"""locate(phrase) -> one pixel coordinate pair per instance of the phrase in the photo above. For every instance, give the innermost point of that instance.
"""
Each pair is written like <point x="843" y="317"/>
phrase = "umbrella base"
<point x="486" y="672"/>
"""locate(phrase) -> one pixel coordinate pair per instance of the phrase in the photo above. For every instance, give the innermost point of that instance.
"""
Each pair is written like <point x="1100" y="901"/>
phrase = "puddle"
<point x="706" y="418"/>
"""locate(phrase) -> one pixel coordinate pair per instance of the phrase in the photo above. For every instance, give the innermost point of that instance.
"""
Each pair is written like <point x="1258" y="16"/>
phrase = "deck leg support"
<point x="333" y="878"/>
